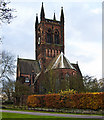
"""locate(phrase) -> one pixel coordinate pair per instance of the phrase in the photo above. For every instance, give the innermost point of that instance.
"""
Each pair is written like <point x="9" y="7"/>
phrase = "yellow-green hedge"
<point x="83" y="100"/>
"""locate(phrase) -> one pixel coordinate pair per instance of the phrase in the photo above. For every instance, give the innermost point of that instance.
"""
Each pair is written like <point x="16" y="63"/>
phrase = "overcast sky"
<point x="83" y="31"/>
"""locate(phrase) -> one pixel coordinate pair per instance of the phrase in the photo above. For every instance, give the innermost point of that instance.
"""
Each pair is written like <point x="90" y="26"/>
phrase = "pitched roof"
<point x="26" y="66"/>
<point x="60" y="61"/>
<point x="77" y="68"/>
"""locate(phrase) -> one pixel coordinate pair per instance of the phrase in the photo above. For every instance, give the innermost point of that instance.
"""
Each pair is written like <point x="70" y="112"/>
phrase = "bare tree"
<point x="7" y="65"/>
<point x="8" y="88"/>
<point x="7" y="71"/>
<point x="5" y="12"/>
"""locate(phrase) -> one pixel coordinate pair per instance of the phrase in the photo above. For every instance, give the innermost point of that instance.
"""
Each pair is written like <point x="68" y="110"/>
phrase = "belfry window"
<point x="49" y="36"/>
<point x="56" y="37"/>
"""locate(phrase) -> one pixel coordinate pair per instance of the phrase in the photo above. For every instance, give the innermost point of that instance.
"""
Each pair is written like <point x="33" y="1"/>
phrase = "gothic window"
<point x="56" y="36"/>
<point x="49" y="36"/>
<point x="61" y="37"/>
<point x="27" y="80"/>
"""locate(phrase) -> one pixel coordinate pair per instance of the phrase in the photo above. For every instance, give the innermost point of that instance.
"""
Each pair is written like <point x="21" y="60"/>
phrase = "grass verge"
<point x="51" y="112"/>
<point x="18" y="116"/>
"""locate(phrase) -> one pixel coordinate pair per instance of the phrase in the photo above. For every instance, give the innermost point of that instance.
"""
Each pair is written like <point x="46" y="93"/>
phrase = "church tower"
<point x="49" y="37"/>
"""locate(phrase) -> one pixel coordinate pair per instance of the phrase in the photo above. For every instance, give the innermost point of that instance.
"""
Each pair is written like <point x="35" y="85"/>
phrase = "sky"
<point x="83" y="31"/>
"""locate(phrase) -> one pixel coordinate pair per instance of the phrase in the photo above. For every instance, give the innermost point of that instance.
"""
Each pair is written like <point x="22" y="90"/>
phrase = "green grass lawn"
<point x="8" y="116"/>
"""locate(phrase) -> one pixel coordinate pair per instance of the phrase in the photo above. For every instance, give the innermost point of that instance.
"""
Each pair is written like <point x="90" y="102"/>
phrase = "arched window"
<point x="56" y="36"/>
<point x="49" y="36"/>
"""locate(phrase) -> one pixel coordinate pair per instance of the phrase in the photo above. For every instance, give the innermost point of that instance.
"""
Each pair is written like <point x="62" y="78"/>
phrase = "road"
<point x="55" y="114"/>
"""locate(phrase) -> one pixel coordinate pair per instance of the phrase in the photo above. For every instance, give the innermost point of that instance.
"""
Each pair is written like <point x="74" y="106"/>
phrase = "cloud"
<point x="88" y="55"/>
<point x="19" y="35"/>
<point x="83" y="43"/>
<point x="96" y="11"/>
<point x="82" y="32"/>
<point x="56" y="1"/>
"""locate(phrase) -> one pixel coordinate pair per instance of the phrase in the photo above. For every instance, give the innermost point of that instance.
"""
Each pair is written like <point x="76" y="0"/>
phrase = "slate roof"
<point x="60" y="61"/>
<point x="77" y="68"/>
<point x="26" y="66"/>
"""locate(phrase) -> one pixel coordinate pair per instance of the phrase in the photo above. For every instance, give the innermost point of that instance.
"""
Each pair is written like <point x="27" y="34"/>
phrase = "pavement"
<point x="56" y="114"/>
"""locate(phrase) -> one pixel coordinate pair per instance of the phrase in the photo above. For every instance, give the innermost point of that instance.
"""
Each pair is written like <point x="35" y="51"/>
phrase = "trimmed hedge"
<point x="83" y="100"/>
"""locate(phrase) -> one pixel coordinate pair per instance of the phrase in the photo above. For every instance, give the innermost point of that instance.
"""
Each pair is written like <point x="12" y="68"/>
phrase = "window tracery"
<point x="56" y="36"/>
<point x="49" y="36"/>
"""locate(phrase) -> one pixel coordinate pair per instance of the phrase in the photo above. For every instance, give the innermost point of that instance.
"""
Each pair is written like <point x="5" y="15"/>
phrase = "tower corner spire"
<point x="62" y="16"/>
<point x="54" y="17"/>
<point x="36" y="23"/>
<point x="42" y="13"/>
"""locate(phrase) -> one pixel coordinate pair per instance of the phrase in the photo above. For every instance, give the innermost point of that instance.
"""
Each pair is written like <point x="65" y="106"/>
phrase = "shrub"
<point x="67" y="92"/>
<point x="83" y="100"/>
<point x="8" y="102"/>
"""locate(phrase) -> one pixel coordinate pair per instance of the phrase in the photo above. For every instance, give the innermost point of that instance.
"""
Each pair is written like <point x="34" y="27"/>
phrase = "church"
<point x="51" y="71"/>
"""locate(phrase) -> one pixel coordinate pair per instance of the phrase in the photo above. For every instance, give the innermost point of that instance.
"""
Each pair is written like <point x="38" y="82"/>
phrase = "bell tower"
<point x="49" y="37"/>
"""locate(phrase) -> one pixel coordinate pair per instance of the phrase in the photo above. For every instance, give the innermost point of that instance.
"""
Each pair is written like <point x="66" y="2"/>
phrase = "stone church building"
<point x="51" y="70"/>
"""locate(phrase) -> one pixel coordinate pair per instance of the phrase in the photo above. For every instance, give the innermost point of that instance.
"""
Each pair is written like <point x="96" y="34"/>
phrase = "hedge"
<point x="79" y="101"/>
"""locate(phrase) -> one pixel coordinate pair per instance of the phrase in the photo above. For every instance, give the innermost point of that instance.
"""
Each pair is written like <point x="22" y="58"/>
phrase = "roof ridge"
<point x="60" y="61"/>
<point x="27" y="59"/>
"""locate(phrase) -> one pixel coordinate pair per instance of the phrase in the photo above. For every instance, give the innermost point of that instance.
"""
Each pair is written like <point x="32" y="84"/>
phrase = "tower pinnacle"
<point x="62" y="16"/>
<point x="36" y="23"/>
<point x="42" y="14"/>
<point x="54" y="17"/>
